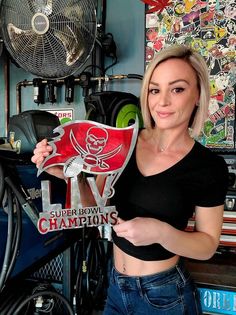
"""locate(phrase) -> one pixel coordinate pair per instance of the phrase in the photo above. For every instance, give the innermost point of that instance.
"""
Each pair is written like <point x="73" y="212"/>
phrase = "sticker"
<point x="64" y="115"/>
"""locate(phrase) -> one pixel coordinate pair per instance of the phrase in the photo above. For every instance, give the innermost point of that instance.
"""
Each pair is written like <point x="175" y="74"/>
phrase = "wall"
<point x="125" y="20"/>
<point x="128" y="33"/>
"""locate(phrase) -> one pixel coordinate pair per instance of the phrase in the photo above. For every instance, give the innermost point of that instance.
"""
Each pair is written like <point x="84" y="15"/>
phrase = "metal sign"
<point x="85" y="147"/>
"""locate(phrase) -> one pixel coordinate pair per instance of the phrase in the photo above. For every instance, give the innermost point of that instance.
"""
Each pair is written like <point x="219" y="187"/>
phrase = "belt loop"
<point x="179" y="269"/>
<point x="113" y="276"/>
<point x="139" y="286"/>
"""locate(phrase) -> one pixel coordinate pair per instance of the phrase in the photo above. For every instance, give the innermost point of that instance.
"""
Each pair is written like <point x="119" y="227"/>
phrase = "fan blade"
<point x="73" y="43"/>
<point x="43" y="6"/>
<point x="47" y="8"/>
<point x="72" y="11"/>
<point x="78" y="15"/>
<point x="19" y="37"/>
<point x="72" y="35"/>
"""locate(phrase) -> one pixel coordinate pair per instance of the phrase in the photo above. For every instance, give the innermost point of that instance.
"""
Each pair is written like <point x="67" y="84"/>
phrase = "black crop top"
<point x="199" y="179"/>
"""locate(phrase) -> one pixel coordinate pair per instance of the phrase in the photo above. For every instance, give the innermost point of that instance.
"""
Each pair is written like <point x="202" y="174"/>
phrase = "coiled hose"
<point x="14" y="230"/>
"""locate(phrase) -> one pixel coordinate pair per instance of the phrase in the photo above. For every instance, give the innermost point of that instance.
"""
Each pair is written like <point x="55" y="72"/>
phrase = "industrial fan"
<point x="49" y="38"/>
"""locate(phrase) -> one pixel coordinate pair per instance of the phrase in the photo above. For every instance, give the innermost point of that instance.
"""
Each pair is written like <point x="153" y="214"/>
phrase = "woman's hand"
<point x="139" y="231"/>
<point x="41" y="151"/>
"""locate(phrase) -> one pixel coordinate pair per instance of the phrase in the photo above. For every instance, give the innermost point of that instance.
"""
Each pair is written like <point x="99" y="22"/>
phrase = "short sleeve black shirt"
<point x="199" y="179"/>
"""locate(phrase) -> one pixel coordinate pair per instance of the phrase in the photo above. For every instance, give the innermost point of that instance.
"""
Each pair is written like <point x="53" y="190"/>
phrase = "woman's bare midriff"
<point x="132" y="266"/>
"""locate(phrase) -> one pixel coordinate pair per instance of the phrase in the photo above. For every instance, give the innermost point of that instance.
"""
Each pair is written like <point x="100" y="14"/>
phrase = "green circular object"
<point x="127" y="115"/>
<point x="65" y="120"/>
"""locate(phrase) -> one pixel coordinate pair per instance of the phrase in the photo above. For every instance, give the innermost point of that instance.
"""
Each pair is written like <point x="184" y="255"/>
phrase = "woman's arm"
<point x="203" y="242"/>
<point x="200" y="244"/>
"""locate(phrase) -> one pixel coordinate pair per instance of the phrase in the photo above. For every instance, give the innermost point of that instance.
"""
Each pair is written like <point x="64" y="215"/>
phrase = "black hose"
<point x="7" y="255"/>
<point x="134" y="76"/>
<point x="1" y="183"/>
<point x="111" y="65"/>
<point x="29" y="208"/>
<point x="12" y="303"/>
<point x="90" y="284"/>
<point x="16" y="238"/>
<point x="35" y="295"/>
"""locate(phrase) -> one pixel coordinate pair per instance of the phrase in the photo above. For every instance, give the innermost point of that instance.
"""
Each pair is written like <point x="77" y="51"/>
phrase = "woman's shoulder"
<point x="208" y="157"/>
<point x="206" y="152"/>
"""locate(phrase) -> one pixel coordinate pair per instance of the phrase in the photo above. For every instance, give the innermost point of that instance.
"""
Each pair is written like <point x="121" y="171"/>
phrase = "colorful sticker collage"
<point x="210" y="28"/>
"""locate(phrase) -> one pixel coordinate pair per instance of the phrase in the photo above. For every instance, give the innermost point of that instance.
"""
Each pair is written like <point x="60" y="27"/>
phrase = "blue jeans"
<point x="171" y="292"/>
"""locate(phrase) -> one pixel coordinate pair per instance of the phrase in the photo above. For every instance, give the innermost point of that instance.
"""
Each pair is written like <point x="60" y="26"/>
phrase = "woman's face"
<point x="173" y="94"/>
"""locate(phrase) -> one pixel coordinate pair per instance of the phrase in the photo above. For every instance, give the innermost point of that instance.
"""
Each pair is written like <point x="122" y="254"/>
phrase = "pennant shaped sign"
<point x="93" y="148"/>
<point x="90" y="147"/>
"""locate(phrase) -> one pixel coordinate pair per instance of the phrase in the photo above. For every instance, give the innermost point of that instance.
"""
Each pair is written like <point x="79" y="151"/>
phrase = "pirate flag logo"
<point x="92" y="148"/>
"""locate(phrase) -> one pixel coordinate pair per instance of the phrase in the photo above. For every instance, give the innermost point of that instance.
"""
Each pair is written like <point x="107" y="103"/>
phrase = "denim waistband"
<point x="176" y="273"/>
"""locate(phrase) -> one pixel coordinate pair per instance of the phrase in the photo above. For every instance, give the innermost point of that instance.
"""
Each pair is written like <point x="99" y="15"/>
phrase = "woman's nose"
<point x="163" y="99"/>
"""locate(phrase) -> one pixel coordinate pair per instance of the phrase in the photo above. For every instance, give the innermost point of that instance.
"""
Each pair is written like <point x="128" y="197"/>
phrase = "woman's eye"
<point x="178" y="90"/>
<point x="153" y="91"/>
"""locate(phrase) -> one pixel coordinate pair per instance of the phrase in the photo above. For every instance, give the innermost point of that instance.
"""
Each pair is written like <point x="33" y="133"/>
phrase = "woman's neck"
<point x="165" y="141"/>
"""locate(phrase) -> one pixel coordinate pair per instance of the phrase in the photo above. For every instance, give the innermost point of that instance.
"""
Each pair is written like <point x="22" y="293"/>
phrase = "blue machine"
<point x="22" y="248"/>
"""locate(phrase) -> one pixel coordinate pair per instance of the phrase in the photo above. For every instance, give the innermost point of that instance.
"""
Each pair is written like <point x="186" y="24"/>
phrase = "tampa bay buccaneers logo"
<point x="91" y="156"/>
<point x="90" y="147"/>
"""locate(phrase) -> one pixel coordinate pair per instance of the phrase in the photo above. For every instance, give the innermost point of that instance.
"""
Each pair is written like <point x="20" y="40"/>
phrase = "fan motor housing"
<point x="40" y="23"/>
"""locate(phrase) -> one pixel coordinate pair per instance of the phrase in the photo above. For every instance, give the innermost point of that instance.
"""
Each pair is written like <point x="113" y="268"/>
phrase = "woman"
<point x="169" y="177"/>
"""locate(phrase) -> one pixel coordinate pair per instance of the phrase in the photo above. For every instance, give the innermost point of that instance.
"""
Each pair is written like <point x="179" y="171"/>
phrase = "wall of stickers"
<point x="210" y="28"/>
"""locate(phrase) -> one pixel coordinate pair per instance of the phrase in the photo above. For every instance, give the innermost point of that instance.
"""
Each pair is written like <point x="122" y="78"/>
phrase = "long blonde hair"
<point x="197" y="62"/>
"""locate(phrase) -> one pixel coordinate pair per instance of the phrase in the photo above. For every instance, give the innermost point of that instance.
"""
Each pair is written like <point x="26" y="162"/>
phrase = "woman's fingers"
<point x="119" y="221"/>
<point x="41" y="151"/>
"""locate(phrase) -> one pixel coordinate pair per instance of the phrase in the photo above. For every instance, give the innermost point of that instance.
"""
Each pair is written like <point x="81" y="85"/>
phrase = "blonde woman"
<point x="169" y="177"/>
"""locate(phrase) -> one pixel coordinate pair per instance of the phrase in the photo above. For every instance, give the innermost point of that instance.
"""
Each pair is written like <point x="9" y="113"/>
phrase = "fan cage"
<point x="49" y="38"/>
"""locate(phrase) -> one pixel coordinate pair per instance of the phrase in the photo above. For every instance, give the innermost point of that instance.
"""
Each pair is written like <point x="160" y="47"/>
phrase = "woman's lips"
<point x="164" y="114"/>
